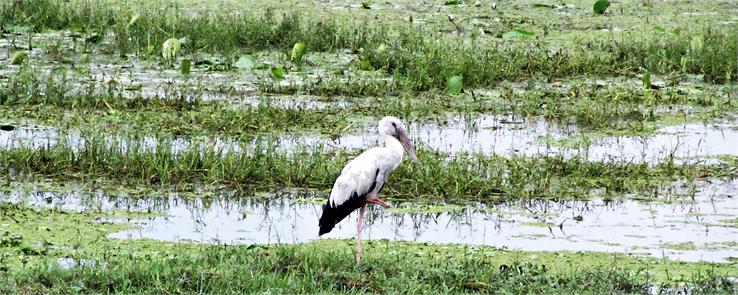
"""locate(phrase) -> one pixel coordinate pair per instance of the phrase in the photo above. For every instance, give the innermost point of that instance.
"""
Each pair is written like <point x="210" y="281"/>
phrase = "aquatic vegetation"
<point x="134" y="266"/>
<point x="680" y="246"/>
<point x="298" y="51"/>
<point x="19" y="57"/>
<point x="170" y="48"/>
<point x="600" y="6"/>
<point x="47" y="97"/>
<point x="462" y="176"/>
<point x="455" y="84"/>
<point x="182" y="96"/>
<point x="418" y="56"/>
<point x="731" y="222"/>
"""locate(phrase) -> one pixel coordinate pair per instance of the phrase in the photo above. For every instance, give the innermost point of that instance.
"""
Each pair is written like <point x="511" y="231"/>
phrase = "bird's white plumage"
<point x="365" y="174"/>
<point x="371" y="167"/>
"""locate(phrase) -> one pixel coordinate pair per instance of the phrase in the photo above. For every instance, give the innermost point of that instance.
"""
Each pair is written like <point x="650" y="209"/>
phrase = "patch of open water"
<point x="701" y="228"/>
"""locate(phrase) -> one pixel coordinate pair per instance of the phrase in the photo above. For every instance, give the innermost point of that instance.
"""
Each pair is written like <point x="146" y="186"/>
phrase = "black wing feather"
<point x="332" y="216"/>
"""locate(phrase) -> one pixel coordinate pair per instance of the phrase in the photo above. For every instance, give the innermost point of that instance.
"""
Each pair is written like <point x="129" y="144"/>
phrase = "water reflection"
<point x="686" y="228"/>
<point x="491" y="135"/>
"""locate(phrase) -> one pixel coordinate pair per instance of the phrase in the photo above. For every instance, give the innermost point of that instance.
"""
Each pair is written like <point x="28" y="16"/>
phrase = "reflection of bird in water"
<point x="364" y="176"/>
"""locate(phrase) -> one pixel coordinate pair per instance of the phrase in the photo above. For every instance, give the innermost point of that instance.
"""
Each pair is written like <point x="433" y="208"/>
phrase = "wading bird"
<point x="364" y="176"/>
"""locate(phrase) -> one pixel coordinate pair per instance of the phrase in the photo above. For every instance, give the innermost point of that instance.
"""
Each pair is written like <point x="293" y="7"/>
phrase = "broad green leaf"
<point x="185" y="67"/>
<point x="18" y="57"/>
<point x="244" y="63"/>
<point x="365" y="65"/>
<point x="278" y="72"/>
<point x="170" y="48"/>
<point x="600" y="6"/>
<point x="452" y="2"/>
<point x="455" y="84"/>
<point x="518" y="33"/>
<point x="659" y="29"/>
<point x="298" y="51"/>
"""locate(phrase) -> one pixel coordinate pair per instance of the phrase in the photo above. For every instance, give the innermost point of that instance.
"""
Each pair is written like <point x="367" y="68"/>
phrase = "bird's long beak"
<point x="407" y="144"/>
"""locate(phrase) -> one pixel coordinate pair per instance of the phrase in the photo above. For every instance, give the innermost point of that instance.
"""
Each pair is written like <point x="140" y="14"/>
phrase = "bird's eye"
<point x="394" y="125"/>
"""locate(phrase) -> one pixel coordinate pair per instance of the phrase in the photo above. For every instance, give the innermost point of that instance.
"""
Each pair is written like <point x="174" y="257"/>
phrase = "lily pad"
<point x="298" y="51"/>
<point x="244" y="63"/>
<point x="600" y="6"/>
<point x="518" y="33"/>
<point x="278" y="72"/>
<point x="365" y="65"/>
<point x="186" y="66"/>
<point x="18" y="57"/>
<point x="170" y="48"/>
<point x="455" y="84"/>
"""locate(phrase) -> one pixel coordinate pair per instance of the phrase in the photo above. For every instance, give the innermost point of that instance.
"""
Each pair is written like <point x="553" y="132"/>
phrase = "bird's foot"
<point x="377" y="200"/>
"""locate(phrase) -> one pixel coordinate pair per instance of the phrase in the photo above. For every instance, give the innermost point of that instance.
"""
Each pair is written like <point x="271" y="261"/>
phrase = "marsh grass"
<point x="46" y="97"/>
<point x="33" y="239"/>
<point x="617" y="107"/>
<point x="322" y="267"/>
<point x="459" y="177"/>
<point x="423" y="58"/>
<point x="57" y="100"/>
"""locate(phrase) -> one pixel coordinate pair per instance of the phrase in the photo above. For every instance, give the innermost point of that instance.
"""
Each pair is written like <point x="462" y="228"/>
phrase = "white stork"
<point x="364" y="176"/>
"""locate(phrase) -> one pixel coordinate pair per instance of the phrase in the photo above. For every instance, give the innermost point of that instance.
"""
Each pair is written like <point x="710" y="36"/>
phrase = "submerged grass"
<point x="415" y="62"/>
<point x="460" y="177"/>
<point x="421" y="58"/>
<point x="34" y="238"/>
<point x="53" y="99"/>
<point x="56" y="99"/>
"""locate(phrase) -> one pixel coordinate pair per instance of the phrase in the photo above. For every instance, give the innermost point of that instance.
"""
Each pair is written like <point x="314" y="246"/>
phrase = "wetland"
<point x="188" y="146"/>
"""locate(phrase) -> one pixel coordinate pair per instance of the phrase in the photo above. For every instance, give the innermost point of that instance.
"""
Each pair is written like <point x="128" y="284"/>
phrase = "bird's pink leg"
<point x="358" y="233"/>
<point x="376" y="200"/>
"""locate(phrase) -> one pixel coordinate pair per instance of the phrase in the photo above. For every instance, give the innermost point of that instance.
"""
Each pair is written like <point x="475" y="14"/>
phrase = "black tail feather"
<point x="332" y="216"/>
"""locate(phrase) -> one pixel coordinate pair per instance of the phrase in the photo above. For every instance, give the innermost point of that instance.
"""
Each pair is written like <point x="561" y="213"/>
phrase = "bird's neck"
<point x="394" y="145"/>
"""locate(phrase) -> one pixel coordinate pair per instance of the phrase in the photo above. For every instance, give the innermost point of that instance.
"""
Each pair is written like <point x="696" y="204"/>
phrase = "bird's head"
<point x="392" y="126"/>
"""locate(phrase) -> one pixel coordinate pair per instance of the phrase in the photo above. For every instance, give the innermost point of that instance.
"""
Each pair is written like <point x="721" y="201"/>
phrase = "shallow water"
<point x="676" y="227"/>
<point x="70" y="263"/>
<point x="490" y="135"/>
